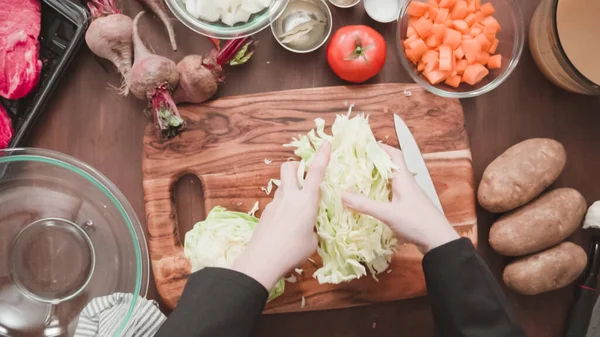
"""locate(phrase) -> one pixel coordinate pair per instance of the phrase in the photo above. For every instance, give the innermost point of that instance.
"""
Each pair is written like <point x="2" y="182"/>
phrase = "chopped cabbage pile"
<point x="229" y="12"/>
<point x="219" y="240"/>
<point x="349" y="242"/>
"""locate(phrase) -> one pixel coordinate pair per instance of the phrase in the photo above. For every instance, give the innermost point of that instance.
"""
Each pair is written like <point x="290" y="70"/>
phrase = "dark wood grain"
<point x="228" y="140"/>
<point x="86" y="119"/>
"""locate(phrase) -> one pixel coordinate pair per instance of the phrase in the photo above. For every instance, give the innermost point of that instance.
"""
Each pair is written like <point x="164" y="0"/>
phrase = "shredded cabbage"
<point x="349" y="241"/>
<point x="219" y="240"/>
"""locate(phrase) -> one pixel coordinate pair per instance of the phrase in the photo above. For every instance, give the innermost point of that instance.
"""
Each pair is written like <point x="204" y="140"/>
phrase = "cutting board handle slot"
<point x="188" y="196"/>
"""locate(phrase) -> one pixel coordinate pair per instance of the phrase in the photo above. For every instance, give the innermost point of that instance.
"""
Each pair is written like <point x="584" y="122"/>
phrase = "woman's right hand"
<point x="410" y="214"/>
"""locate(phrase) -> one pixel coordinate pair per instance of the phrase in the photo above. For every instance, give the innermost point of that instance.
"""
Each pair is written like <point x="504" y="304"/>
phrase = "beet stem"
<point x="230" y="49"/>
<point x="100" y="8"/>
<point x="165" y="112"/>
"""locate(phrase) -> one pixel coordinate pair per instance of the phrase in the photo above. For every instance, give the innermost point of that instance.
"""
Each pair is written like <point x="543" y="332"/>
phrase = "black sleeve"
<point x="466" y="299"/>
<point x="216" y="302"/>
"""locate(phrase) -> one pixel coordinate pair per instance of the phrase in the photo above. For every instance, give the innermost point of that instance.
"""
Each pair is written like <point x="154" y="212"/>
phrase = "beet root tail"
<point x="166" y="115"/>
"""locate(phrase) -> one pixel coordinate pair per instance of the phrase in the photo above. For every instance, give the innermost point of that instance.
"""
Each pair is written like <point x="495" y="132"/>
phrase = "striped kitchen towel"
<point x="104" y="316"/>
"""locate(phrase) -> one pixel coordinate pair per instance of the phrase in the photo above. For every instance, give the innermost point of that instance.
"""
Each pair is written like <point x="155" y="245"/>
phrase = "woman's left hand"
<point x="284" y="237"/>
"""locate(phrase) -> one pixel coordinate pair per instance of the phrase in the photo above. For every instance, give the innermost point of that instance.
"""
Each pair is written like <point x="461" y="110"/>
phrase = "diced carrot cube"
<point x="447" y="3"/>
<point x="477" y="4"/>
<point x="490" y="33"/>
<point x="410" y="31"/>
<point x="432" y="3"/>
<point x="439" y="30"/>
<point x="412" y="20"/>
<point x="479" y="16"/>
<point x="484" y="42"/>
<point x="433" y="12"/>
<point x="416" y="8"/>
<point x="431" y="66"/>
<point x="409" y="40"/>
<point x="445" y="58"/>
<point x="449" y="23"/>
<point x="474" y="31"/>
<point x="470" y="19"/>
<point x="430" y="56"/>
<point x="452" y="38"/>
<point x="423" y="27"/>
<point x="420" y="66"/>
<point x="487" y="9"/>
<point x="426" y="16"/>
<point x="495" y="62"/>
<point x="471" y="6"/>
<point x="459" y="53"/>
<point x="483" y="57"/>
<point x="418" y="47"/>
<point x="494" y="46"/>
<point x="490" y="21"/>
<point x="466" y="37"/>
<point x="432" y="41"/>
<point x="461" y="25"/>
<point x="459" y="11"/>
<point x="411" y="56"/>
<point x="442" y="15"/>
<point x="471" y="48"/>
<point x="474" y="73"/>
<point x="435" y="76"/>
<point x="461" y="66"/>
<point x="453" y="81"/>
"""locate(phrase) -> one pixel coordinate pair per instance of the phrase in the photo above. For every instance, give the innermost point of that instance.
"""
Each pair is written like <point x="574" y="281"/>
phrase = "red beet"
<point x="6" y="129"/>
<point x="200" y="76"/>
<point x="158" y="7"/>
<point x="109" y="34"/>
<point x="153" y="77"/>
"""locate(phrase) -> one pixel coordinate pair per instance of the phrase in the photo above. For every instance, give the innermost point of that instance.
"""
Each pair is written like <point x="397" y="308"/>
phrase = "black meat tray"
<point x="63" y="29"/>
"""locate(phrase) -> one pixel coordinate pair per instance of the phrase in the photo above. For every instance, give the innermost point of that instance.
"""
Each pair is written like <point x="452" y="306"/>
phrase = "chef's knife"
<point x="415" y="162"/>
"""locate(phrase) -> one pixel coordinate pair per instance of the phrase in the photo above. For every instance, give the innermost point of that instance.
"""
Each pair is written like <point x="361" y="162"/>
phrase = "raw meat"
<point x="20" y="22"/>
<point x="6" y="129"/>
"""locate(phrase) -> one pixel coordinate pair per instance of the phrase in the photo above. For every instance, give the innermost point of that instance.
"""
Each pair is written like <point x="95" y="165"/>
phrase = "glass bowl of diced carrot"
<point x="460" y="48"/>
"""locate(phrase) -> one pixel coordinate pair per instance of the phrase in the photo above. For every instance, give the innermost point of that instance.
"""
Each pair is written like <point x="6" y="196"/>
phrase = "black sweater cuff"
<point x="457" y="249"/>
<point x="217" y="302"/>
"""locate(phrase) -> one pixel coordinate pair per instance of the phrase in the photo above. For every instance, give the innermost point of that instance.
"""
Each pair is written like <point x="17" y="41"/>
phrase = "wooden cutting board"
<point x="226" y="145"/>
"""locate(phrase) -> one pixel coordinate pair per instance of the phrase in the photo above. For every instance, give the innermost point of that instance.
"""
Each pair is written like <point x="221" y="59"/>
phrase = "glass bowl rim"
<point x="111" y="192"/>
<point x="518" y="41"/>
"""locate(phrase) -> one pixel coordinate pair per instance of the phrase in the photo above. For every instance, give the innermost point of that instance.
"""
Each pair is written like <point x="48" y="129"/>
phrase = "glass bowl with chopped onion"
<point x="227" y="19"/>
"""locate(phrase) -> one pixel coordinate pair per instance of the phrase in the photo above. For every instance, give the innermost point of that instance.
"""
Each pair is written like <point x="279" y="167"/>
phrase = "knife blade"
<point x="415" y="162"/>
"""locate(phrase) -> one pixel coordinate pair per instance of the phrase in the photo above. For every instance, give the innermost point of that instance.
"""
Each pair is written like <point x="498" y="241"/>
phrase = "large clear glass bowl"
<point x="67" y="235"/>
<point x="511" y="37"/>
<point x="219" y="30"/>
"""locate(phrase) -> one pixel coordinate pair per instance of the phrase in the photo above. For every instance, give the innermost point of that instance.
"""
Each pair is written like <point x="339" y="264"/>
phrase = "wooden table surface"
<point x="87" y="119"/>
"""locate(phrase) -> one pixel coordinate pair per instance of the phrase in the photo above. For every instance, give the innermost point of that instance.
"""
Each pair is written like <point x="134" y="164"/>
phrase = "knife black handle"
<point x="581" y="312"/>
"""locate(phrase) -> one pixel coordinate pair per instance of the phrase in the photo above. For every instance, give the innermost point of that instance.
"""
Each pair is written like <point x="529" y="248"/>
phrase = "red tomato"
<point x="356" y="53"/>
